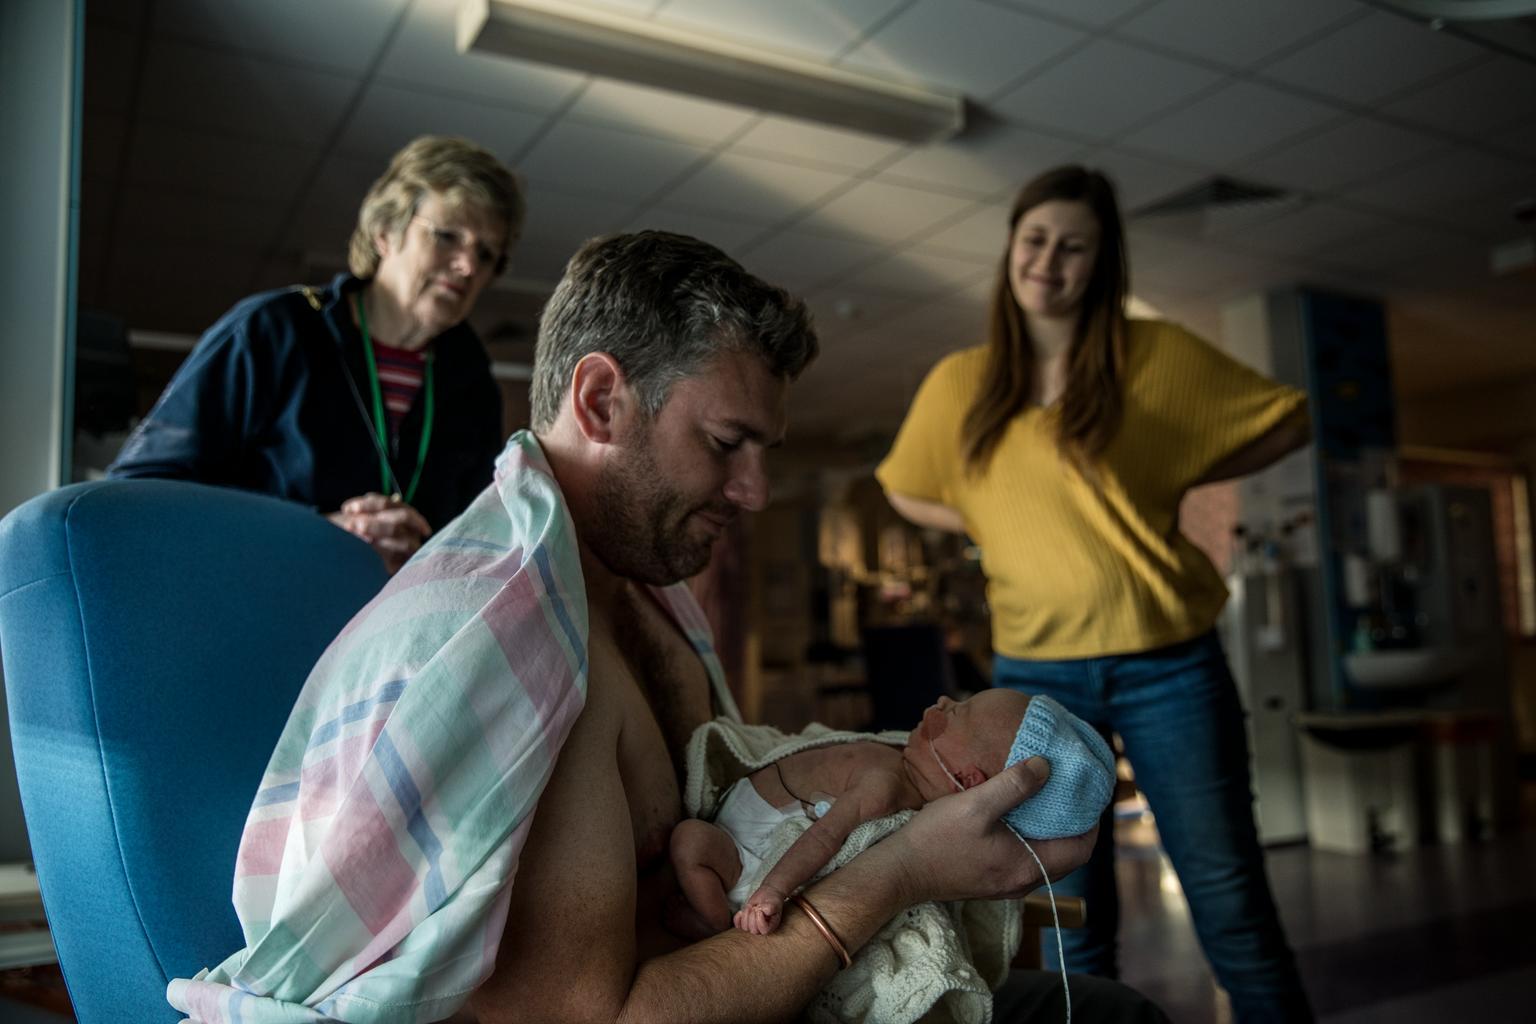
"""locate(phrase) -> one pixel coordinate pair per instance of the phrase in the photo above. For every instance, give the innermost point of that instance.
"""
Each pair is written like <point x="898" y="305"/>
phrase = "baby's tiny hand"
<point x="760" y="914"/>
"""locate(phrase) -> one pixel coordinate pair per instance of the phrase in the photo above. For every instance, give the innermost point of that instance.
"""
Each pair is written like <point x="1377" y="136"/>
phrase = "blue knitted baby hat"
<point x="1082" y="773"/>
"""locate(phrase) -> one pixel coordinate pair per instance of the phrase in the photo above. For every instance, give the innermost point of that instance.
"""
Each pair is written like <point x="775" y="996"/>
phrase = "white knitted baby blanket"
<point x="936" y="963"/>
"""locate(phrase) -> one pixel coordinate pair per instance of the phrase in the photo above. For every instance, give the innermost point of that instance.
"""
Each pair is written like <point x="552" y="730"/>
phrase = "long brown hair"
<point x="1093" y="400"/>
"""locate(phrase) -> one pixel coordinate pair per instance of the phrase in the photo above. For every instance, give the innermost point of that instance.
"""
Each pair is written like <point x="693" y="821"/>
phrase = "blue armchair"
<point x="154" y="635"/>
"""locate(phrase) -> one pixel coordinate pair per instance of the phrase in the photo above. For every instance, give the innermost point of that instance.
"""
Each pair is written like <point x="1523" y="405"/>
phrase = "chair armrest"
<point x="1073" y="911"/>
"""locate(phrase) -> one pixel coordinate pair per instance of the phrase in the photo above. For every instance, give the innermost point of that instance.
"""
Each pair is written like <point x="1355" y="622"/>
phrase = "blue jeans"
<point x="1177" y="712"/>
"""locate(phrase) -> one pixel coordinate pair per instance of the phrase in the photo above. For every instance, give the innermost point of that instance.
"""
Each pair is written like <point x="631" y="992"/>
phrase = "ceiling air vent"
<point x="1217" y="205"/>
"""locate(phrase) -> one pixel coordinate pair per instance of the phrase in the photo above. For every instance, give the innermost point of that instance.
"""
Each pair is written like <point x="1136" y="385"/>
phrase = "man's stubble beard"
<point x="642" y="523"/>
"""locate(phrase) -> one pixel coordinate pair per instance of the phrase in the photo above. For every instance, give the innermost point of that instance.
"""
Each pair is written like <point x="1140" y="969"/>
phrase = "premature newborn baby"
<point x="957" y="745"/>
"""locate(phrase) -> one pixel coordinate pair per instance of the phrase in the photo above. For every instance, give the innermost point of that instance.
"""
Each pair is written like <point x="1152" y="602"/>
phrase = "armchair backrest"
<point x="154" y="635"/>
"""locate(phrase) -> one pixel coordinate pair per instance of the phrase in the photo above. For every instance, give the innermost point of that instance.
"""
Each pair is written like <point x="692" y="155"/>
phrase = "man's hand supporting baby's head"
<point x="1082" y="773"/>
<point x="928" y="849"/>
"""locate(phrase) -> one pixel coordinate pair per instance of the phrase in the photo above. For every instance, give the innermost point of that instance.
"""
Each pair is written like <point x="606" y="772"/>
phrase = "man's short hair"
<point x="662" y="305"/>
<point x="463" y="173"/>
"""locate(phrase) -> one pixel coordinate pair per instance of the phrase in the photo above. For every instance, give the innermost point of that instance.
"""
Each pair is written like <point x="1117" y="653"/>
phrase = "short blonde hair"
<point x="457" y="169"/>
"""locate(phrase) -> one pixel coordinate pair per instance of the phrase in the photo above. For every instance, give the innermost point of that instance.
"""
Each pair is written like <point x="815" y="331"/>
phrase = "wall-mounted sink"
<point x="1393" y="669"/>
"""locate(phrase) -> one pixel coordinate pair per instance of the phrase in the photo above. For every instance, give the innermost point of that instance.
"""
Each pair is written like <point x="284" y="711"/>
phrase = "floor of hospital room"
<point x="1429" y="934"/>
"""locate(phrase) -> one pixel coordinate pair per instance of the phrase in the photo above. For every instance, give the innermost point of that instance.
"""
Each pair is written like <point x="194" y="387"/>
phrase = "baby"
<point x="957" y="745"/>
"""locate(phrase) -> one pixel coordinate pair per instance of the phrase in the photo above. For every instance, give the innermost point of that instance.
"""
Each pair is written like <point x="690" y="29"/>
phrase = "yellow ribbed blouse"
<point x="1074" y="569"/>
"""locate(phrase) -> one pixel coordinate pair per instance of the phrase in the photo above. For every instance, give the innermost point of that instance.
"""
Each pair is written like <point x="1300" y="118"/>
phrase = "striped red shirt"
<point x="400" y="376"/>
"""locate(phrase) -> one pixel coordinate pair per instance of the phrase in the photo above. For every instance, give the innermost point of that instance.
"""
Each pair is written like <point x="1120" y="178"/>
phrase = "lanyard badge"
<point x="381" y="423"/>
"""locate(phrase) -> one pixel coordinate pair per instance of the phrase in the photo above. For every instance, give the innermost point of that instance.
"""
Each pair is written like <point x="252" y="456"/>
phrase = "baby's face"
<point x="970" y="738"/>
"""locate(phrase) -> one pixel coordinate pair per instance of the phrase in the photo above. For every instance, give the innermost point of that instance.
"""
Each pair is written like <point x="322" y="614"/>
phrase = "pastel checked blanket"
<point x="376" y="866"/>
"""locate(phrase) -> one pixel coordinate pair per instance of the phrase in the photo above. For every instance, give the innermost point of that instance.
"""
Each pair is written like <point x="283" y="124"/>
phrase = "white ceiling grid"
<point x="228" y="142"/>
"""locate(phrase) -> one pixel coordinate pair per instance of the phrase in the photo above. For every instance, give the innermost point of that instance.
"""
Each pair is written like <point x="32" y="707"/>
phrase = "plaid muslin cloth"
<point x="377" y="861"/>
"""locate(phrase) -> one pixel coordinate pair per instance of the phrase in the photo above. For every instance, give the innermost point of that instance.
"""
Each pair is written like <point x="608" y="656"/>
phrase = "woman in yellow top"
<point x="1063" y="447"/>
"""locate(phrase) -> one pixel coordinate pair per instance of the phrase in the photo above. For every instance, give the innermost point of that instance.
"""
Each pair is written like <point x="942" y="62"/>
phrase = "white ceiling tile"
<point x="890" y="213"/>
<point x="919" y="273"/>
<point x="1520" y="139"/>
<point x="783" y="138"/>
<point x="344" y="34"/>
<point x="856" y="308"/>
<point x="111" y="63"/>
<point x="1096" y="13"/>
<point x="182" y="158"/>
<point x="1343" y="153"/>
<point x="1219" y="222"/>
<point x="965" y="45"/>
<point x="982" y="234"/>
<point x="423" y="53"/>
<point x="753" y="190"/>
<point x="1399" y="244"/>
<point x="1447" y="185"/>
<point x="1313" y="229"/>
<point x="1230" y="125"/>
<point x="1140" y="180"/>
<point x="801" y="260"/>
<point x="1489" y="213"/>
<point x="979" y="291"/>
<point x="197" y="87"/>
<point x="1494" y="94"/>
<point x="542" y="260"/>
<point x="1371" y="58"/>
<point x="812" y="28"/>
<point x="389" y="116"/>
<point x="987" y="163"/>
<point x="1104" y="89"/>
<point x="556" y="214"/>
<point x="220" y="145"/>
<point x="635" y="8"/>
<point x="618" y="164"/>
<point x="328" y="212"/>
<point x="558" y="223"/>
<point x="658" y="112"/>
<point x="1238" y="35"/>
<point x="728" y="235"/>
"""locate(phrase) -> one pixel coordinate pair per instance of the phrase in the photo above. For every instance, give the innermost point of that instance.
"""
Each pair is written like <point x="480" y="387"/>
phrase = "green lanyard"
<point x="386" y="473"/>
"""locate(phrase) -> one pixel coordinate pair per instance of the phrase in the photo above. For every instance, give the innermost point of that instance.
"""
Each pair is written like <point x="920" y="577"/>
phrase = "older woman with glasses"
<point x="369" y="399"/>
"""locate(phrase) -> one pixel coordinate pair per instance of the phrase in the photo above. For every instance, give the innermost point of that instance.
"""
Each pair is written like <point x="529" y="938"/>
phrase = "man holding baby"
<point x="550" y="619"/>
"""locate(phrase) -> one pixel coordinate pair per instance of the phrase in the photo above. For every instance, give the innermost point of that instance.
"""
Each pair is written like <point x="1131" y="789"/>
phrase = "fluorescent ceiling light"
<point x="613" y="45"/>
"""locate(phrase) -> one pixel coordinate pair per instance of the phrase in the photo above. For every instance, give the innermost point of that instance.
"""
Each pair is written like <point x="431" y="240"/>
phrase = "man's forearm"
<point x="740" y="977"/>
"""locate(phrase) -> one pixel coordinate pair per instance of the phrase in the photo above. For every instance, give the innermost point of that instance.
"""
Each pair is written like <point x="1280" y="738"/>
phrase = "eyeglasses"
<point x="451" y="241"/>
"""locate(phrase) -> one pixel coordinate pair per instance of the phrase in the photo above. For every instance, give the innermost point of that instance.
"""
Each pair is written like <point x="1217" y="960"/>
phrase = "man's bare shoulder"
<point x="573" y="896"/>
